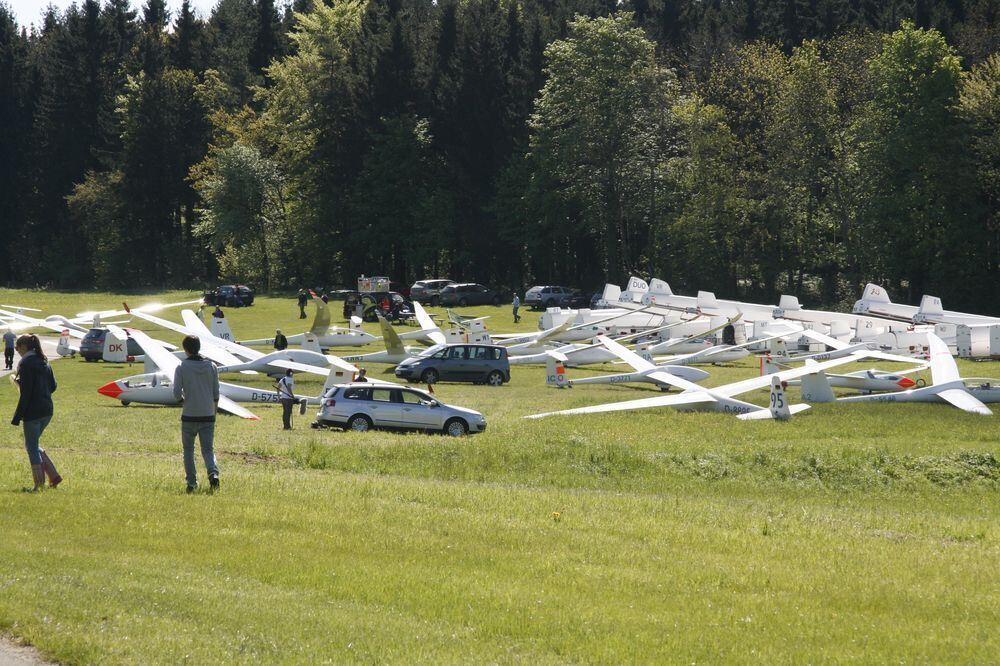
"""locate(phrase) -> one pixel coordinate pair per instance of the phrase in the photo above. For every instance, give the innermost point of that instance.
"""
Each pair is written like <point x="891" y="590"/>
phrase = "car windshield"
<point x="430" y="351"/>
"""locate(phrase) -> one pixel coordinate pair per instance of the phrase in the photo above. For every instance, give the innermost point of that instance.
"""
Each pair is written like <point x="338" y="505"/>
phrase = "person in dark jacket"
<point x="280" y="341"/>
<point x="303" y="300"/>
<point x="196" y="383"/>
<point x="34" y="407"/>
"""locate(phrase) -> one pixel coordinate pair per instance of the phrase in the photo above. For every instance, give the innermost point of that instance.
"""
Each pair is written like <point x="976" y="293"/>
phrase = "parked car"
<point x="429" y="291"/>
<point x="92" y="345"/>
<point x="479" y="364"/>
<point x="467" y="293"/>
<point x="400" y="289"/>
<point x="230" y="295"/>
<point x="363" y="406"/>
<point x="543" y="297"/>
<point x="580" y="299"/>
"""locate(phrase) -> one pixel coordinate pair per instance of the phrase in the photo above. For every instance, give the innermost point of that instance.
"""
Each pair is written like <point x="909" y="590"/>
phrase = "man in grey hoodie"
<point x="196" y="383"/>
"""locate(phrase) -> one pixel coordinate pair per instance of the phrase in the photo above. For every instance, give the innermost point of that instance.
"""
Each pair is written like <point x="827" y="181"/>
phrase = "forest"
<point x="750" y="147"/>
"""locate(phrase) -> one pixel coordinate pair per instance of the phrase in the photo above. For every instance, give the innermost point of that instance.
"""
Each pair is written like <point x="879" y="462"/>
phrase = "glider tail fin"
<point x="321" y="324"/>
<point x="115" y="348"/>
<point x="311" y="343"/>
<point x="393" y="344"/>
<point x="336" y="376"/>
<point x="220" y="329"/>
<point x="779" y="401"/>
<point x="778" y="347"/>
<point x="555" y="370"/>
<point x="63" y="348"/>
<point x="816" y="387"/>
<point x="874" y="294"/>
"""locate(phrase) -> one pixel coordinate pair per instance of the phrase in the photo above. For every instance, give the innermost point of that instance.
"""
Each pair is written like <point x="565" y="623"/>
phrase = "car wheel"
<point x="495" y="378"/>
<point x="125" y="403"/>
<point x="430" y="376"/>
<point x="462" y="302"/>
<point x="496" y="300"/>
<point x="456" y="428"/>
<point x="549" y="303"/>
<point x="359" y="423"/>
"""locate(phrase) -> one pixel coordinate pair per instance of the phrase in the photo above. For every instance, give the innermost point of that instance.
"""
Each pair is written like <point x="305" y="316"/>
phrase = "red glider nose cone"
<point x="906" y="382"/>
<point x="111" y="389"/>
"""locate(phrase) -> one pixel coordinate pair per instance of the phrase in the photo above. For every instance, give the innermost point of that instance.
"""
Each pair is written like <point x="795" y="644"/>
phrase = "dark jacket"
<point x="280" y="342"/>
<point x="37" y="384"/>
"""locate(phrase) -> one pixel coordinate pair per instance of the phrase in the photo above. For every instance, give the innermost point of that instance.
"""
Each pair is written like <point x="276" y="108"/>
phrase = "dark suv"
<point x="92" y="345"/>
<point x="428" y="291"/>
<point x="230" y="295"/>
<point x="468" y="294"/>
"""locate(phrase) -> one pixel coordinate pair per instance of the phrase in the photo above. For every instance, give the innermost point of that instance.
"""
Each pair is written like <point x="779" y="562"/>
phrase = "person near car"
<point x="515" y="304"/>
<point x="8" y="349"/>
<point x="34" y="410"/>
<point x="280" y="341"/>
<point x="386" y="305"/>
<point x="218" y="313"/>
<point x="362" y="375"/>
<point x="303" y="300"/>
<point x="196" y="384"/>
<point x="286" y="395"/>
<point x="325" y="297"/>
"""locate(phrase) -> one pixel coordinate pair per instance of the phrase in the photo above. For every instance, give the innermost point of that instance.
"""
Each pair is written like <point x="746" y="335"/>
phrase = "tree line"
<point x="752" y="147"/>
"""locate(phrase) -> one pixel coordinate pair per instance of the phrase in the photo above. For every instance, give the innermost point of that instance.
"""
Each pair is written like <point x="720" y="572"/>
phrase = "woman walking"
<point x="34" y="408"/>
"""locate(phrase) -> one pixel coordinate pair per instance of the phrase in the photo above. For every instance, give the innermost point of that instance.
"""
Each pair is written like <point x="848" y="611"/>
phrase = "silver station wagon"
<point x="480" y="364"/>
<point x="363" y="406"/>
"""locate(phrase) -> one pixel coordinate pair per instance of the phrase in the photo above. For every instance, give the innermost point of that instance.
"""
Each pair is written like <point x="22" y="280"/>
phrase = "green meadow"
<point x="863" y="533"/>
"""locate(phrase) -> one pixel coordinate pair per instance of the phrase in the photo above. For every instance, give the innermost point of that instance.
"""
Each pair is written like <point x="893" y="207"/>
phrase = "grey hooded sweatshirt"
<point x="196" y="382"/>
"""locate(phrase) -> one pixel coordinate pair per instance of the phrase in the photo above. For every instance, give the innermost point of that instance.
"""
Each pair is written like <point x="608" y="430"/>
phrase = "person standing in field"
<point x="515" y="304"/>
<point x="303" y="299"/>
<point x="280" y="341"/>
<point x="8" y="349"/>
<point x="196" y="383"/>
<point x="286" y="394"/>
<point x="34" y="407"/>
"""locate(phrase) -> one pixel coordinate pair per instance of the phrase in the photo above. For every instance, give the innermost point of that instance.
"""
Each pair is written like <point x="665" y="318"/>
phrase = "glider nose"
<point x="906" y="383"/>
<point x="111" y="389"/>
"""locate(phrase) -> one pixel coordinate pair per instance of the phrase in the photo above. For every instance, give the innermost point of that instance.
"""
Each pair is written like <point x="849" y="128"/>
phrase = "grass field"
<point x="864" y="532"/>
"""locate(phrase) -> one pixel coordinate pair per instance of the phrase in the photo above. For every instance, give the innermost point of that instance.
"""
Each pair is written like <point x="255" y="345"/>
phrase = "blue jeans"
<point x="205" y="432"/>
<point x="32" y="433"/>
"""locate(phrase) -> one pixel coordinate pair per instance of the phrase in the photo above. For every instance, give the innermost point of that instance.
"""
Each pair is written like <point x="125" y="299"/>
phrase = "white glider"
<point x="719" y="398"/>
<point x="948" y="385"/>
